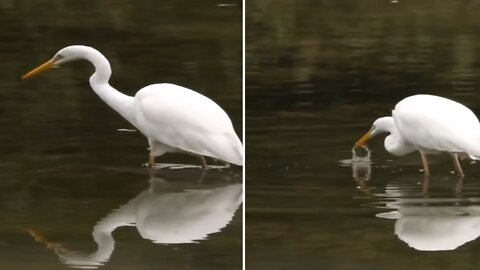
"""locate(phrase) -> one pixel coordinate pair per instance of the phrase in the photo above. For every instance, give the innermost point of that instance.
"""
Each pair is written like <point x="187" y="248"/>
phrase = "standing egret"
<point x="172" y="117"/>
<point x="431" y="125"/>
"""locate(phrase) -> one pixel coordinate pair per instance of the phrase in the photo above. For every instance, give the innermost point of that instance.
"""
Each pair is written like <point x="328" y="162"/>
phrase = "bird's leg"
<point x="457" y="165"/>
<point x="151" y="161"/>
<point x="459" y="187"/>
<point x="425" y="181"/>
<point x="426" y="171"/>
<point x="204" y="163"/>
<point x="151" y="171"/>
<point x="202" y="175"/>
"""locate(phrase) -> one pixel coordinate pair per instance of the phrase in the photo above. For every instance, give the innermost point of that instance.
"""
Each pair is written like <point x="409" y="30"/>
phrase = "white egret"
<point x="172" y="117"/>
<point x="431" y="125"/>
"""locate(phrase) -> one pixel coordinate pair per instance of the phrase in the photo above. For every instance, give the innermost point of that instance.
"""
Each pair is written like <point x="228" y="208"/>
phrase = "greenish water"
<point x="318" y="74"/>
<point x="65" y="167"/>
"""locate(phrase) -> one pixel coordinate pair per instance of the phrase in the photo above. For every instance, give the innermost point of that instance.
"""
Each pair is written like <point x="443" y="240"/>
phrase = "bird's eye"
<point x="59" y="56"/>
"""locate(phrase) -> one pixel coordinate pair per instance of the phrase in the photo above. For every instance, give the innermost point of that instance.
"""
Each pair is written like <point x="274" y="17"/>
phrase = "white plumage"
<point x="431" y="125"/>
<point x="438" y="124"/>
<point x="190" y="122"/>
<point x="173" y="118"/>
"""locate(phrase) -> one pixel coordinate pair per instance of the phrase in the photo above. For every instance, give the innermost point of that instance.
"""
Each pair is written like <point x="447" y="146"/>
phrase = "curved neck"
<point x="103" y="71"/>
<point x="99" y="82"/>
<point x="394" y="143"/>
<point x="386" y="124"/>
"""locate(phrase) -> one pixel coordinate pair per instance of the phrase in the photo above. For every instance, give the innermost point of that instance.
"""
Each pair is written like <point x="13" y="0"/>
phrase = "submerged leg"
<point x="202" y="175"/>
<point x="151" y="161"/>
<point x="457" y="165"/>
<point x="425" y="181"/>
<point x="202" y="160"/>
<point x="156" y="149"/>
<point x="426" y="171"/>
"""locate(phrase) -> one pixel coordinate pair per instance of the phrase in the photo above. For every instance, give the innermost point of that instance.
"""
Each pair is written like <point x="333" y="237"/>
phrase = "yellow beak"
<point x="364" y="139"/>
<point x="42" y="68"/>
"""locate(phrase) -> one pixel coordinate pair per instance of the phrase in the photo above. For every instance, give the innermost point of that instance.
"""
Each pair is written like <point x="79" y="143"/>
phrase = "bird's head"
<point x="379" y="126"/>
<point x="67" y="54"/>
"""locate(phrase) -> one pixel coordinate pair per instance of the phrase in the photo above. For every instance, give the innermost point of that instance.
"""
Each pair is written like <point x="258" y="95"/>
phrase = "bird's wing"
<point x="434" y="123"/>
<point x="184" y="119"/>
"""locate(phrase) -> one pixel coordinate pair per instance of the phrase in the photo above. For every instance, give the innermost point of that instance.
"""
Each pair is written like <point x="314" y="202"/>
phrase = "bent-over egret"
<point x="431" y="125"/>
<point x="172" y="117"/>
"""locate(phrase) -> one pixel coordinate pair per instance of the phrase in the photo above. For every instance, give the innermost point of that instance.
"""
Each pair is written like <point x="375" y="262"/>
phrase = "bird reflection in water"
<point x="424" y="220"/>
<point x="160" y="216"/>
<point x="433" y="224"/>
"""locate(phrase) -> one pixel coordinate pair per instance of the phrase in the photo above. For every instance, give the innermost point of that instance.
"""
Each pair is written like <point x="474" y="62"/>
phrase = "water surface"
<point x="318" y="74"/>
<point x="65" y="167"/>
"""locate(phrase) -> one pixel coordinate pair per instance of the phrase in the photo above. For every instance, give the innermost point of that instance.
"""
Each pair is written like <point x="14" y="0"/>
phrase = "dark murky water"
<point x="68" y="178"/>
<point x="318" y="74"/>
